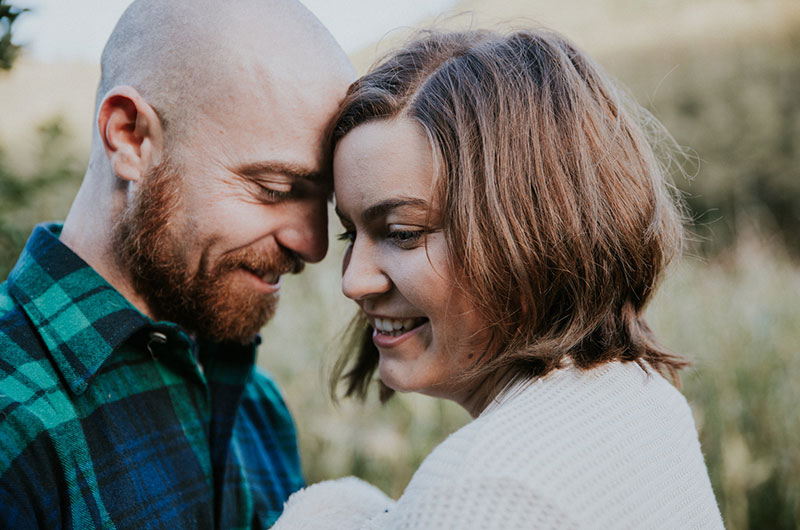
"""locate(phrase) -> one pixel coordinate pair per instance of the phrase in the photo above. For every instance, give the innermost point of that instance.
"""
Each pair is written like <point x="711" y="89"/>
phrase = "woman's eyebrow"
<point x="384" y="207"/>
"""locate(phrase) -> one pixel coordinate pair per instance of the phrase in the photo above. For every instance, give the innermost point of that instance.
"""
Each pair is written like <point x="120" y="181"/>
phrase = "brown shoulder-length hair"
<point x="558" y="215"/>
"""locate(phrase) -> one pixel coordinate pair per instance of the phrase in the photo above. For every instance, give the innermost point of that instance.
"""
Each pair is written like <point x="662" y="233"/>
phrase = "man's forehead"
<point x="262" y="134"/>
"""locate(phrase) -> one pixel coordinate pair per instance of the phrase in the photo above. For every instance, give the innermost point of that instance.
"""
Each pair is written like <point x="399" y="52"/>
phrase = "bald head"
<point x="189" y="56"/>
<point x="210" y="130"/>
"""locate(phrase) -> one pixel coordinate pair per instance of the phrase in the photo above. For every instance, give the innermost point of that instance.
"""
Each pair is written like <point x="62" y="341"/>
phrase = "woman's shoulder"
<point x="615" y="432"/>
<point x="608" y="397"/>
<point x="576" y="411"/>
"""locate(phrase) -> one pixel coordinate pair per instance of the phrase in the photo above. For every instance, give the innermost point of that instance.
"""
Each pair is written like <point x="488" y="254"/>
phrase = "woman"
<point x="508" y="223"/>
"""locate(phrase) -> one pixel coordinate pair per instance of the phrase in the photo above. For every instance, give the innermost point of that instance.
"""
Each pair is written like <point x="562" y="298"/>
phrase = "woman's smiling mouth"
<point x="394" y="327"/>
<point x="390" y="332"/>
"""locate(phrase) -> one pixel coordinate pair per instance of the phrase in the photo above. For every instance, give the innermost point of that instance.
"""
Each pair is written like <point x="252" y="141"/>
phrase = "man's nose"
<point x="362" y="276"/>
<point x="306" y="230"/>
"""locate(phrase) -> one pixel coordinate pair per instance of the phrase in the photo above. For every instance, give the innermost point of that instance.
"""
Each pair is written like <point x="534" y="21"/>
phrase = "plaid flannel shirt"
<point x="110" y="420"/>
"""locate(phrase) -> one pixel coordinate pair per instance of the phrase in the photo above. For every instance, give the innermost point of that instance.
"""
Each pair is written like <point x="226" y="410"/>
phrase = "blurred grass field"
<point x="737" y="318"/>
<point x="724" y="77"/>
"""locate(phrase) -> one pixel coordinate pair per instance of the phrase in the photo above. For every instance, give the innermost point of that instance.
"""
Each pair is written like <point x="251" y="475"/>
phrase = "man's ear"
<point x="131" y="131"/>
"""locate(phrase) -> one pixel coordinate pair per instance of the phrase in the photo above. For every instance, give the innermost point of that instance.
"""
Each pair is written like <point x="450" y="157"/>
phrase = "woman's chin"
<point x="394" y="378"/>
<point x="406" y="383"/>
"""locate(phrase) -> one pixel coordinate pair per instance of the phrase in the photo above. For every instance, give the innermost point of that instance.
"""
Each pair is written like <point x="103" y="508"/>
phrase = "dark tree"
<point x="8" y="50"/>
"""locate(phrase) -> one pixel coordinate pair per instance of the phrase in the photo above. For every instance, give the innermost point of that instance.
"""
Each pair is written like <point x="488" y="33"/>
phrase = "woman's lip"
<point x="388" y="341"/>
<point x="261" y="285"/>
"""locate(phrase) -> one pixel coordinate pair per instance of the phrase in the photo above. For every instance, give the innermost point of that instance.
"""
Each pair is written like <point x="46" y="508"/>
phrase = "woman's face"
<point x="395" y="267"/>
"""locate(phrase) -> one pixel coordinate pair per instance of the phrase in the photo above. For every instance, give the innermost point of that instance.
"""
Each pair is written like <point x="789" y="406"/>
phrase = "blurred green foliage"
<point x="41" y="195"/>
<point x="45" y="193"/>
<point x="735" y="102"/>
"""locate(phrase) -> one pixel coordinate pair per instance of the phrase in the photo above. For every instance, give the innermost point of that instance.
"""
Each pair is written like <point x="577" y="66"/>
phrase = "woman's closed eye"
<point x="402" y="237"/>
<point x="405" y="236"/>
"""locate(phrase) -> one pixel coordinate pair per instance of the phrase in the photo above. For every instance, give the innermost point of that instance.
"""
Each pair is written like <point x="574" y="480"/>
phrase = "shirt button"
<point x="156" y="337"/>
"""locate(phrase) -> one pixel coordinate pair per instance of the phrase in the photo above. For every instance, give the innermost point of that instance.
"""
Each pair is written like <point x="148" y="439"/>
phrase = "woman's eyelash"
<point x="406" y="238"/>
<point x="399" y="237"/>
<point x="348" y="235"/>
<point x="405" y="234"/>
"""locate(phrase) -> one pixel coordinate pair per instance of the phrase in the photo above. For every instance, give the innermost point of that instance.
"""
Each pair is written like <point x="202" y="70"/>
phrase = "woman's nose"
<point x="362" y="275"/>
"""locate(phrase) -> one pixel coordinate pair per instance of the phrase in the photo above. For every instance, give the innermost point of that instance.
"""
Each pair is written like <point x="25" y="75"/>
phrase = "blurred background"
<point x="722" y="75"/>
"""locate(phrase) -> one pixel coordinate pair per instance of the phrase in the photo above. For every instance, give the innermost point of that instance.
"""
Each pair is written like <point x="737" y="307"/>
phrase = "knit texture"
<point x="612" y="447"/>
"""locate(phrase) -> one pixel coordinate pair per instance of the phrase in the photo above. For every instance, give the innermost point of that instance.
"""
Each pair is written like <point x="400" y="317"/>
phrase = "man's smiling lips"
<point x="268" y="283"/>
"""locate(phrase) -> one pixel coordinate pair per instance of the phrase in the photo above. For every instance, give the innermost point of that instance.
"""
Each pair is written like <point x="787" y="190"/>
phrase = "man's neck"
<point x="88" y="232"/>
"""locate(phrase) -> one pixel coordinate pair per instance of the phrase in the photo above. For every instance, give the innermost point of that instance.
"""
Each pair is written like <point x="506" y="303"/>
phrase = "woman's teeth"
<point x="394" y="327"/>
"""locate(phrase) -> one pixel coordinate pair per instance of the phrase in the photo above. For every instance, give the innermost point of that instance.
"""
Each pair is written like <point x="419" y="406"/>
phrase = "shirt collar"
<point x="79" y="316"/>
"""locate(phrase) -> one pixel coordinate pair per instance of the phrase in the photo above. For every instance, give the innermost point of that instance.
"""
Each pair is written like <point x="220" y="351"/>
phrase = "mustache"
<point x="282" y="261"/>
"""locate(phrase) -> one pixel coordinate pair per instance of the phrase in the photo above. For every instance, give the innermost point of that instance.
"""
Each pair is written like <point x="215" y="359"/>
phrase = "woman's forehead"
<point x="381" y="161"/>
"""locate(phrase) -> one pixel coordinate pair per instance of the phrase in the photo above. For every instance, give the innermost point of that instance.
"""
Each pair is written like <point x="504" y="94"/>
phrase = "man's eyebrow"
<point x="295" y="171"/>
<point x="384" y="207"/>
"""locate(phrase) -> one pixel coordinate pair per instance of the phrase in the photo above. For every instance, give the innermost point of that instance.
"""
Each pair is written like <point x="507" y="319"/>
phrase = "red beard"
<point x="208" y="303"/>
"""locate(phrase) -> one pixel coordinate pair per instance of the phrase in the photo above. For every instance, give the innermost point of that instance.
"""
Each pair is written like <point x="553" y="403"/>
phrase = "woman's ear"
<point x="131" y="131"/>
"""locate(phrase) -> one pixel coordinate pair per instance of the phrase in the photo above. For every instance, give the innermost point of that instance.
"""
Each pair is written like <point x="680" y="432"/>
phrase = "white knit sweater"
<point x="613" y="447"/>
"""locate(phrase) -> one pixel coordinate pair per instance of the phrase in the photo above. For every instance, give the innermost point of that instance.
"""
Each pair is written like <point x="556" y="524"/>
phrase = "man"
<point x="128" y="394"/>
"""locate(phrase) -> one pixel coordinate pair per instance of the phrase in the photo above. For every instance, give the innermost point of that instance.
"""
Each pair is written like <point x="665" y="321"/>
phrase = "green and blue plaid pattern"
<point x="110" y="420"/>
